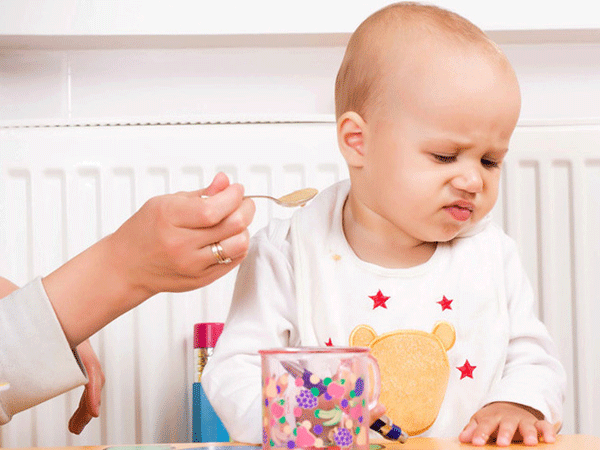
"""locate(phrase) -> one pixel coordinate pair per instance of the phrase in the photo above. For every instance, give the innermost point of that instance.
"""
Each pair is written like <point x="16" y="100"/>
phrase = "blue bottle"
<point x="206" y="424"/>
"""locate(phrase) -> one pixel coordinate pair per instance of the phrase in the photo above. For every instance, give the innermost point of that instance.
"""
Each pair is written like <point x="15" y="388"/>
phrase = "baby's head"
<point x="426" y="104"/>
<point x="378" y="49"/>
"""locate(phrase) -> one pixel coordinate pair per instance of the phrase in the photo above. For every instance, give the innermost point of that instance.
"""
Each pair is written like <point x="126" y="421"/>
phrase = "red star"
<point x="329" y="343"/>
<point x="379" y="299"/>
<point x="445" y="303"/>
<point x="466" y="370"/>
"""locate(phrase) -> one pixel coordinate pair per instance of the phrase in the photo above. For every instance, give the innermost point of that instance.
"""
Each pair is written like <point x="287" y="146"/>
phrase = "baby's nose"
<point x="469" y="180"/>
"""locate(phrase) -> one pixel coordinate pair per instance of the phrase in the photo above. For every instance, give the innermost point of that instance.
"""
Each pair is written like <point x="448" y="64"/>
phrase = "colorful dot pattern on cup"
<point x="326" y="413"/>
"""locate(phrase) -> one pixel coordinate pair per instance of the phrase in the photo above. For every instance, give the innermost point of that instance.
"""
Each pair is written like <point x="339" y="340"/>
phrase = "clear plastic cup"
<point x="318" y="397"/>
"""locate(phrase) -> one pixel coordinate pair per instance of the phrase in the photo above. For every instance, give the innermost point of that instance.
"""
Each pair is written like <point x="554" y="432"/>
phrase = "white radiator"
<point x="63" y="188"/>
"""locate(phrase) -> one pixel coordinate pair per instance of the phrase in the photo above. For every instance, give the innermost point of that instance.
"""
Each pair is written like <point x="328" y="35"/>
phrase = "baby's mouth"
<point x="461" y="211"/>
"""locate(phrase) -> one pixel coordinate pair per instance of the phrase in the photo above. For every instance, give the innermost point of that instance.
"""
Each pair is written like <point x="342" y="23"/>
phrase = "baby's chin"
<point x="470" y="228"/>
<point x="453" y="231"/>
<point x="447" y="239"/>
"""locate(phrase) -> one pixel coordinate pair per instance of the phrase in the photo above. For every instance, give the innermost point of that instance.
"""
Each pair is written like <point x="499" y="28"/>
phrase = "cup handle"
<point x="374" y="382"/>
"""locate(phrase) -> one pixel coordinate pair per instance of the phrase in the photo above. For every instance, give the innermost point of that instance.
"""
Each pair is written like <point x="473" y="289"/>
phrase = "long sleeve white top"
<point x="35" y="357"/>
<point x="302" y="285"/>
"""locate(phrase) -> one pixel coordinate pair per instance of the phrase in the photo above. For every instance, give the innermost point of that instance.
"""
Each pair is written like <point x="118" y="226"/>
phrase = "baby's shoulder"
<point x="275" y="235"/>
<point x="490" y="239"/>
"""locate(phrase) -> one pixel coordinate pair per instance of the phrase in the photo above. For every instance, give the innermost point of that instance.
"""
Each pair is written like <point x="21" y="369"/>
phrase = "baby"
<point x="426" y="105"/>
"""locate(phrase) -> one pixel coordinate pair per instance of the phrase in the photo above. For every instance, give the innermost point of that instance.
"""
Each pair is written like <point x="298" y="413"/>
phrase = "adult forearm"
<point x="91" y="290"/>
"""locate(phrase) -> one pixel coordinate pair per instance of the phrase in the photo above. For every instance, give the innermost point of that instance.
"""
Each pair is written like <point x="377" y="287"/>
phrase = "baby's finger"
<point x="506" y="432"/>
<point x="467" y="433"/>
<point x="529" y="433"/>
<point x="377" y="412"/>
<point x="546" y="430"/>
<point x="483" y="431"/>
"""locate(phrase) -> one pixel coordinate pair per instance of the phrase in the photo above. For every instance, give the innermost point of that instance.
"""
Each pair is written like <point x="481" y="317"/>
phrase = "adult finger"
<point x="81" y="417"/>
<point x="219" y="183"/>
<point x="232" y="248"/>
<point x="200" y="267"/>
<point x="232" y="225"/>
<point x="212" y="273"/>
<point x="94" y="388"/>
<point x="197" y="211"/>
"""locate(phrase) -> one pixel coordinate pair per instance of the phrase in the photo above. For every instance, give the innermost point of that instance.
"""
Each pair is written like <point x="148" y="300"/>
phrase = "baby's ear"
<point x="350" y="134"/>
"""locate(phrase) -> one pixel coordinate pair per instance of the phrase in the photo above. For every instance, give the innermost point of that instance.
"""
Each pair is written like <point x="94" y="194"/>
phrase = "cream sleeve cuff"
<point x="35" y="357"/>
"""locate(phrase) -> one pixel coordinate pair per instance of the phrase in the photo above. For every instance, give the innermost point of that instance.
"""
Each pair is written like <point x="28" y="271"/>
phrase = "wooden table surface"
<point x="564" y="442"/>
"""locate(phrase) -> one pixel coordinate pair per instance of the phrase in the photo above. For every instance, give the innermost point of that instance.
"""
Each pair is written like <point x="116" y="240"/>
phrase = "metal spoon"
<point x="296" y="198"/>
<point x="291" y="200"/>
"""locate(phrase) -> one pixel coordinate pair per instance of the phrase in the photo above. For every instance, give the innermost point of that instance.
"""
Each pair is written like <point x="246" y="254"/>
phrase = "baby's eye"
<point x="489" y="163"/>
<point x="445" y="158"/>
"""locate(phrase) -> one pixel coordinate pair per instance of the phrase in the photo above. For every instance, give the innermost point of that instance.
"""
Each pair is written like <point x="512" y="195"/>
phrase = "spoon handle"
<point x="261" y="196"/>
<point x="249" y="196"/>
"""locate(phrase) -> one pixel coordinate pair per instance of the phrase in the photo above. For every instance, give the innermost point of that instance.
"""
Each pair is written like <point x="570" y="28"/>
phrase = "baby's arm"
<point x="527" y="401"/>
<point x="6" y="287"/>
<point x="506" y="422"/>
<point x="262" y="315"/>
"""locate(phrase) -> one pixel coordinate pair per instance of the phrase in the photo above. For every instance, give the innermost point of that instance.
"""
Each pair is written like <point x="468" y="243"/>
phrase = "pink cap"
<point x="206" y="334"/>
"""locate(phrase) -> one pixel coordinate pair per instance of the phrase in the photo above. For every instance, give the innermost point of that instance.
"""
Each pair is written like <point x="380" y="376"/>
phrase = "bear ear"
<point x="362" y="336"/>
<point x="446" y="333"/>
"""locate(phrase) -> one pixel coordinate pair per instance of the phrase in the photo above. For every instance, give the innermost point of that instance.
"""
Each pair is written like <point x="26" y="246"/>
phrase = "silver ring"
<point x="217" y="251"/>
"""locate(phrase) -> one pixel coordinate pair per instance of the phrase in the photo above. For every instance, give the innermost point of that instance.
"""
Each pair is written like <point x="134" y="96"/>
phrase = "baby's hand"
<point x="377" y="412"/>
<point x="507" y="422"/>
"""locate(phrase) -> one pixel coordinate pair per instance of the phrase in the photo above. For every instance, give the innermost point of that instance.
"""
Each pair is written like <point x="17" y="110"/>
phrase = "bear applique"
<point x="414" y="371"/>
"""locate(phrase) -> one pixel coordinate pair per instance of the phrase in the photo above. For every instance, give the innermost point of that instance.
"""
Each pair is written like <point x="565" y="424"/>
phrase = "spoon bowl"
<point x="293" y="199"/>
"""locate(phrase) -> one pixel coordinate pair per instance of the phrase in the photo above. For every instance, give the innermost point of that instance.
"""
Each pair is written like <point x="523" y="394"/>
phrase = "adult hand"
<point x="164" y="247"/>
<point x="89" y="405"/>
<point x="507" y="422"/>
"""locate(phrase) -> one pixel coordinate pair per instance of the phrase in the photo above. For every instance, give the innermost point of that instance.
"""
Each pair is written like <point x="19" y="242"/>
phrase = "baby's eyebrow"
<point x="448" y="142"/>
<point x="499" y="151"/>
<point x="462" y="144"/>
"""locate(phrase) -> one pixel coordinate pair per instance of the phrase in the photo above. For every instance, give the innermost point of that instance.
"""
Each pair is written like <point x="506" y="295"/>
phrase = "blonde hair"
<point x="359" y="79"/>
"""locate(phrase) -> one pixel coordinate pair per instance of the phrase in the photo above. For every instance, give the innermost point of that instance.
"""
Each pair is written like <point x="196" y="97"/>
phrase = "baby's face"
<point x="435" y="147"/>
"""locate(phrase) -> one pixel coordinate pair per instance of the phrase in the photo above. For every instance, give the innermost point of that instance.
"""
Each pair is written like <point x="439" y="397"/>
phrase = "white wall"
<point x="232" y="17"/>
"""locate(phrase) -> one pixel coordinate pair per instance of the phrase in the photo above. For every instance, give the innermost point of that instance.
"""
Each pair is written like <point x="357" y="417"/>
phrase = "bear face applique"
<point x="414" y="371"/>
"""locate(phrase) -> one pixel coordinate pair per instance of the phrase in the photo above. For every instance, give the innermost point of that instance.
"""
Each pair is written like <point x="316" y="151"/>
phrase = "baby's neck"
<point x="386" y="249"/>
